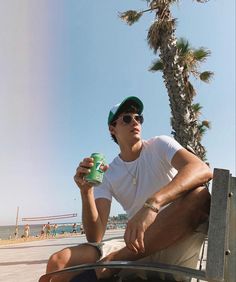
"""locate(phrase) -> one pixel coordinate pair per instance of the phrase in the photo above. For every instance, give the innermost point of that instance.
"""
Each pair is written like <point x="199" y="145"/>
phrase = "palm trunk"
<point x="183" y="121"/>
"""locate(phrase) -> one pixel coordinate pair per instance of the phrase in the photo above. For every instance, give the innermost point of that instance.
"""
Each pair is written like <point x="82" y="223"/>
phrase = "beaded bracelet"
<point x="150" y="206"/>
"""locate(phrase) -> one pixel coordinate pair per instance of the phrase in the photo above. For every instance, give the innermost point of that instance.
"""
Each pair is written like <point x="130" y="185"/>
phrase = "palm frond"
<point x="197" y="108"/>
<point x="201" y="130"/>
<point x="153" y="36"/>
<point x="183" y="46"/>
<point x="206" y="76"/>
<point x="130" y="17"/>
<point x="156" y="66"/>
<point x="190" y="89"/>
<point x="159" y="30"/>
<point x="206" y="123"/>
<point x="154" y="5"/>
<point x="201" y="54"/>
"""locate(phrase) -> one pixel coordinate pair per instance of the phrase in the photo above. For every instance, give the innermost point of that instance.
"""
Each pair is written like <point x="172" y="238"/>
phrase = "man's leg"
<point x="173" y="224"/>
<point x="70" y="257"/>
<point x="178" y="220"/>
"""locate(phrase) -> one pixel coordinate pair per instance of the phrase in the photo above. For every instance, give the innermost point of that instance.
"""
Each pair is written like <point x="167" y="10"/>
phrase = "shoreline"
<point x="14" y="241"/>
<point x="5" y="242"/>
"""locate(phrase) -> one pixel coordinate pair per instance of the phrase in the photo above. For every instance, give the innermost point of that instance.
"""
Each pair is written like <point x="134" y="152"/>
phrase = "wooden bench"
<point x="221" y="251"/>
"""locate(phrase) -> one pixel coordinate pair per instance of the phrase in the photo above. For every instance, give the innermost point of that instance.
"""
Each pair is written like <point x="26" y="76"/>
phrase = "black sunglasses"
<point x="128" y="118"/>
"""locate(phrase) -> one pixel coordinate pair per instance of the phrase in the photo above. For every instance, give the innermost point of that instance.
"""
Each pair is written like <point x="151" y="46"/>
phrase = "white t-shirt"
<point x="152" y="171"/>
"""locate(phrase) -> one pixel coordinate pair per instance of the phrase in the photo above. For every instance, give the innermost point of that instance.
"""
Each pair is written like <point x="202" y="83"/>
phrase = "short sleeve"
<point x="103" y="190"/>
<point x="168" y="146"/>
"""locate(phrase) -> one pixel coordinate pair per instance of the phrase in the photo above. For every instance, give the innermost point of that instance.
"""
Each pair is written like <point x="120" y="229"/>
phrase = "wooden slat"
<point x="217" y="226"/>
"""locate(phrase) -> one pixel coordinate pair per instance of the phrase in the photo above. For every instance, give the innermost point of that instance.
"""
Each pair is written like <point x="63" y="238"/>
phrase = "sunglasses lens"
<point x="128" y="118"/>
<point x="139" y="119"/>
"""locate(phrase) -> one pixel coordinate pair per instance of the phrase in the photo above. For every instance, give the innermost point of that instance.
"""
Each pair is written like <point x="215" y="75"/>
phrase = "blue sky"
<point x="64" y="64"/>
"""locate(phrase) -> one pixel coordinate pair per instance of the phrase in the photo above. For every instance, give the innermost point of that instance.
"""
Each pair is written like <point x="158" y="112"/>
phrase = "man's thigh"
<point x="184" y="253"/>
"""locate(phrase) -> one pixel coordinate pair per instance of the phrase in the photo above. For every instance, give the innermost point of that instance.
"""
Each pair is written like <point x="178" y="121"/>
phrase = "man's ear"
<point x="112" y="129"/>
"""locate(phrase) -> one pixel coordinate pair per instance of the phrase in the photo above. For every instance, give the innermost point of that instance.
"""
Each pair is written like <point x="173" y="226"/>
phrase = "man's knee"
<point x="198" y="202"/>
<point x="58" y="260"/>
<point x="72" y="256"/>
<point x="202" y="199"/>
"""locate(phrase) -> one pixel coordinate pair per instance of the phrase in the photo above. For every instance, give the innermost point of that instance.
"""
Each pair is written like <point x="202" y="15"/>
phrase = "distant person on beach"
<point x="81" y="229"/>
<point x="26" y="231"/>
<point x="54" y="230"/>
<point x="48" y="230"/>
<point x="16" y="232"/>
<point x="159" y="184"/>
<point x="74" y="228"/>
<point x="42" y="232"/>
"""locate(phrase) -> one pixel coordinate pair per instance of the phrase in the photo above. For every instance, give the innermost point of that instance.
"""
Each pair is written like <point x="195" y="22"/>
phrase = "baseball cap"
<point x="132" y="100"/>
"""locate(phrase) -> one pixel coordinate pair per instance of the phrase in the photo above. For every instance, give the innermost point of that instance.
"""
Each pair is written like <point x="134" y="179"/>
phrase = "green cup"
<point x="96" y="172"/>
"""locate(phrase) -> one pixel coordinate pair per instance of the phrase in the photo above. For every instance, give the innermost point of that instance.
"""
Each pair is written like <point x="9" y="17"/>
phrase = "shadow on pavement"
<point x="23" y="262"/>
<point x="40" y="246"/>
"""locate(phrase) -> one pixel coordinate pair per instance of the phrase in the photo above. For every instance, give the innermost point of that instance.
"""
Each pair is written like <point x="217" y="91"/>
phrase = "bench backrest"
<point x="221" y="256"/>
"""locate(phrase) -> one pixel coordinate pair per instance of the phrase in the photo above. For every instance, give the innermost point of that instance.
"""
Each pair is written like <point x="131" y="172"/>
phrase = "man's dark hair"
<point x="126" y="108"/>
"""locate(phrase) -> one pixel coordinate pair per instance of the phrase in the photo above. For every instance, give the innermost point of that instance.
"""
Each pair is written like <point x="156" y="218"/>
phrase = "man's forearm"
<point x="93" y="226"/>
<point x="190" y="177"/>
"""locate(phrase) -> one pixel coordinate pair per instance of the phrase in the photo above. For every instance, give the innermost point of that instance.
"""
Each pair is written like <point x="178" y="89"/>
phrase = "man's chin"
<point x="136" y="138"/>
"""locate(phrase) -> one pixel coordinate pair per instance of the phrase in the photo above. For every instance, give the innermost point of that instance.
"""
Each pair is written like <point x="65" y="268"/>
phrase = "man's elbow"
<point x="206" y="173"/>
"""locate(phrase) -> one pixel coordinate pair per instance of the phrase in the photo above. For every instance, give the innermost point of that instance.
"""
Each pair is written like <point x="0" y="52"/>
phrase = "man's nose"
<point x="134" y="121"/>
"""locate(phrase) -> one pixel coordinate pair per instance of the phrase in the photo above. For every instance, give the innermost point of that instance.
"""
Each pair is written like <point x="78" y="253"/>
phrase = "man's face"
<point x="127" y="127"/>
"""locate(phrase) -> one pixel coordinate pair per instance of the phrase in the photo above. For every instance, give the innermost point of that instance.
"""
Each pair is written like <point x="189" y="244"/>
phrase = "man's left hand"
<point x="136" y="227"/>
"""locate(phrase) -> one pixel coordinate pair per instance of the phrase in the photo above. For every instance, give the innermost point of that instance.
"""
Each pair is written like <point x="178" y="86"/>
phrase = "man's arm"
<point x="192" y="173"/>
<point x="94" y="214"/>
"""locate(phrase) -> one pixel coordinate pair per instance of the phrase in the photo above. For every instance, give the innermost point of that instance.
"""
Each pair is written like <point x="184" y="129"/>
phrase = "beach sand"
<point x="4" y="242"/>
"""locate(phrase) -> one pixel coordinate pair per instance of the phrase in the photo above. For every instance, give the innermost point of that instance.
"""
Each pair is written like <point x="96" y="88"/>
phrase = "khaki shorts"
<point x="184" y="253"/>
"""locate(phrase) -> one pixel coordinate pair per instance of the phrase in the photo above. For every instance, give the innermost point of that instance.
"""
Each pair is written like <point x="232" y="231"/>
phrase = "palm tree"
<point x="189" y="60"/>
<point x="178" y="61"/>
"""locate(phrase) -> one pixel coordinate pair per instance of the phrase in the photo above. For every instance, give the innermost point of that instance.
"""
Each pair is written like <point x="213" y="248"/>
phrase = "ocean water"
<point x="7" y="232"/>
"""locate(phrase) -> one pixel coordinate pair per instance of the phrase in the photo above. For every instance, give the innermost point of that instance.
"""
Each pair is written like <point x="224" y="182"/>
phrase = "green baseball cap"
<point x="132" y="100"/>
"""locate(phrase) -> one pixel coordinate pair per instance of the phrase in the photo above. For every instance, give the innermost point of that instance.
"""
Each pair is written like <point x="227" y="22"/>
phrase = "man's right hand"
<point x="81" y="172"/>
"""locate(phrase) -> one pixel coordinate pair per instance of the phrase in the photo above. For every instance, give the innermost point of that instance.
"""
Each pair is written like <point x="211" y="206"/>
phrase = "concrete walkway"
<point x="26" y="262"/>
